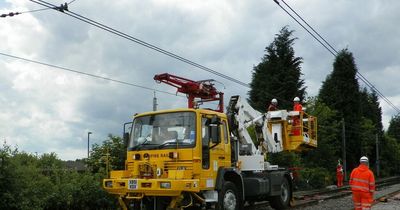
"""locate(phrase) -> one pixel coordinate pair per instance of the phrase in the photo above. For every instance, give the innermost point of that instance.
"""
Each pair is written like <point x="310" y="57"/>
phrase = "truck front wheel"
<point x="282" y="201"/>
<point x="228" y="197"/>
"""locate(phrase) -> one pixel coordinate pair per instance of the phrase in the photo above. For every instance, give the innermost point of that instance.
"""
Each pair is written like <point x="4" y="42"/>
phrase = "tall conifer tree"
<point x="341" y="92"/>
<point x="278" y="74"/>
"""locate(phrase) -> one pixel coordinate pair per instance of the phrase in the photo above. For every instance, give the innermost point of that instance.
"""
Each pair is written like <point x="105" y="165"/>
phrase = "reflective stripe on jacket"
<point x="362" y="179"/>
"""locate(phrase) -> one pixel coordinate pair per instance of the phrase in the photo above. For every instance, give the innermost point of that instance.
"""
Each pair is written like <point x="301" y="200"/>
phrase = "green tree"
<point x="370" y="109"/>
<point x="390" y="148"/>
<point x="7" y="181"/>
<point x="394" y="128"/>
<point x="31" y="189"/>
<point x="341" y="92"/>
<point x="390" y="156"/>
<point x="278" y="74"/>
<point x="112" y="148"/>
<point x="31" y="182"/>
<point x="329" y="149"/>
<point x="371" y="124"/>
<point x="368" y="136"/>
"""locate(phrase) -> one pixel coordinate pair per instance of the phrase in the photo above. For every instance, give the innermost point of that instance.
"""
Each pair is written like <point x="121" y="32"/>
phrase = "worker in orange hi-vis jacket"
<point x="362" y="182"/>
<point x="296" y="119"/>
<point x="339" y="174"/>
<point x="297" y="105"/>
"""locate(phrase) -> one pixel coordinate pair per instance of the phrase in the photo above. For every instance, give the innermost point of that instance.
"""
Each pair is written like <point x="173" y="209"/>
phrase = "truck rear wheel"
<point x="228" y="197"/>
<point x="282" y="201"/>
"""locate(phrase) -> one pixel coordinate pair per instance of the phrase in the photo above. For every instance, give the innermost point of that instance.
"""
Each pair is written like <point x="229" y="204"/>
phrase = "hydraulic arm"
<point x="203" y="90"/>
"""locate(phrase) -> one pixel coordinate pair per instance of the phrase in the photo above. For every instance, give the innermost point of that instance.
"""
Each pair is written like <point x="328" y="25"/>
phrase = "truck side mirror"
<point x="126" y="139"/>
<point x="126" y="134"/>
<point x="214" y="130"/>
<point x="215" y="134"/>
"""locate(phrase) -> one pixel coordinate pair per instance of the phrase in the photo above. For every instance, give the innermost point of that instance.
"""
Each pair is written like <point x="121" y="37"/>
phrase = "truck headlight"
<point x="109" y="184"/>
<point x="136" y="157"/>
<point x="173" y="155"/>
<point x="165" y="185"/>
<point x="159" y="172"/>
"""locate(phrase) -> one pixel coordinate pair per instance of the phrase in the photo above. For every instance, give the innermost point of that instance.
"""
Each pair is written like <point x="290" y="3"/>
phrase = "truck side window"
<point x="205" y="138"/>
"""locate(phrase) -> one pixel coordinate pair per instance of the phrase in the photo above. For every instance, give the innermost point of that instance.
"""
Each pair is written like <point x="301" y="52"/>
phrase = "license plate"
<point x="132" y="184"/>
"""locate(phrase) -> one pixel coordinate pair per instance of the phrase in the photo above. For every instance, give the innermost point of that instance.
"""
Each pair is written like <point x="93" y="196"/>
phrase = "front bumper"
<point x="137" y="188"/>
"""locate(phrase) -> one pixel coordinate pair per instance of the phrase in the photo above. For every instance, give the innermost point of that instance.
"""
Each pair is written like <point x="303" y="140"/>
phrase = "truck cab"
<point x="172" y="157"/>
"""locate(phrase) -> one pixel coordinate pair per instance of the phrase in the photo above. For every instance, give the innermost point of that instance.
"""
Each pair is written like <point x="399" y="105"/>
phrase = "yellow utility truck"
<point x="194" y="158"/>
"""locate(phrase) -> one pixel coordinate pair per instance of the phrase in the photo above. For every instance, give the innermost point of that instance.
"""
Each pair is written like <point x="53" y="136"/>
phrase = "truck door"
<point x="213" y="155"/>
<point x="226" y="144"/>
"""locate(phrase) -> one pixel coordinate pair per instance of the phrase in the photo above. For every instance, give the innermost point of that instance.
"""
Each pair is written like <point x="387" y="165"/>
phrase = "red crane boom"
<point x="204" y="90"/>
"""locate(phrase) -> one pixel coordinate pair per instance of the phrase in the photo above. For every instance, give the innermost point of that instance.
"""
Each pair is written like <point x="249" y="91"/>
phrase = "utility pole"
<point x="155" y="102"/>
<point x="88" y="136"/>
<point x="377" y="155"/>
<point x="344" y="150"/>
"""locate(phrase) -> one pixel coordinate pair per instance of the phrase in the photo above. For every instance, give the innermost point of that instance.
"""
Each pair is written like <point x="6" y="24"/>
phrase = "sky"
<point x="44" y="109"/>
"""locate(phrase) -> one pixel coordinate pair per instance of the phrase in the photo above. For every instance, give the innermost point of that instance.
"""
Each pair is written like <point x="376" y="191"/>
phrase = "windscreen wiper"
<point x="137" y="147"/>
<point x="167" y="143"/>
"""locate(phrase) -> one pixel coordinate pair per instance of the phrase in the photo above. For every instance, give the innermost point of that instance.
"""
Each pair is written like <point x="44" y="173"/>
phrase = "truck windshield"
<point x="168" y="130"/>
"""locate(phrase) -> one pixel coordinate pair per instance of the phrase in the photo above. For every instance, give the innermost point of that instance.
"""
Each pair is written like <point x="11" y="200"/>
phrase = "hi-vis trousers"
<point x="362" y="200"/>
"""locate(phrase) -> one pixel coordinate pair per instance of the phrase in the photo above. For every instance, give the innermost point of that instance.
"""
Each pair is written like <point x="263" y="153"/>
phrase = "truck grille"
<point x="131" y="167"/>
<point x="178" y="165"/>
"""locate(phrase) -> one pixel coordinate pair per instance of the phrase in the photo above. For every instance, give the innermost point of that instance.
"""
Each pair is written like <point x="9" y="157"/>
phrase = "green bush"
<point x="31" y="182"/>
<point x="315" y="178"/>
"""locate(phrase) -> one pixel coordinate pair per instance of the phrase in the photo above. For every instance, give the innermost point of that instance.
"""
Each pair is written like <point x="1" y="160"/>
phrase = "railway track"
<point x="388" y="202"/>
<point x="303" y="199"/>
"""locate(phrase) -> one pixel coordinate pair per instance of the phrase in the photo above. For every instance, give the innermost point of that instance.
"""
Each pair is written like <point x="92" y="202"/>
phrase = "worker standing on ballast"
<point x="274" y="105"/>
<point x="339" y="174"/>
<point x="362" y="182"/>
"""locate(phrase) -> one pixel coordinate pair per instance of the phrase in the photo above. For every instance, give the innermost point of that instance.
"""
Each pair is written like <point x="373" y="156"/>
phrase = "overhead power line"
<point x="333" y="51"/>
<point x="11" y="14"/>
<point x="88" y="74"/>
<point x="71" y="2"/>
<point x="138" y="41"/>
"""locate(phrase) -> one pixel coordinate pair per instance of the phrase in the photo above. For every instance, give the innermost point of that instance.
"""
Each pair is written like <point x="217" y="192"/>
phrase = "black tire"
<point x="228" y="197"/>
<point x="282" y="201"/>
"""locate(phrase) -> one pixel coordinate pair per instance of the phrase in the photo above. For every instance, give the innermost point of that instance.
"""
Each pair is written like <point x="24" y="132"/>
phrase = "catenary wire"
<point x="334" y="52"/>
<point x="87" y="74"/>
<point x="326" y="47"/>
<point x="11" y="14"/>
<point x="35" y="10"/>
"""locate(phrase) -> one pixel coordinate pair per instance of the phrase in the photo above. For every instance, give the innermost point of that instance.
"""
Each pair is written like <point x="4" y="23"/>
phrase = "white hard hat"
<point x="364" y="159"/>
<point x="296" y="99"/>
<point x="274" y="101"/>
